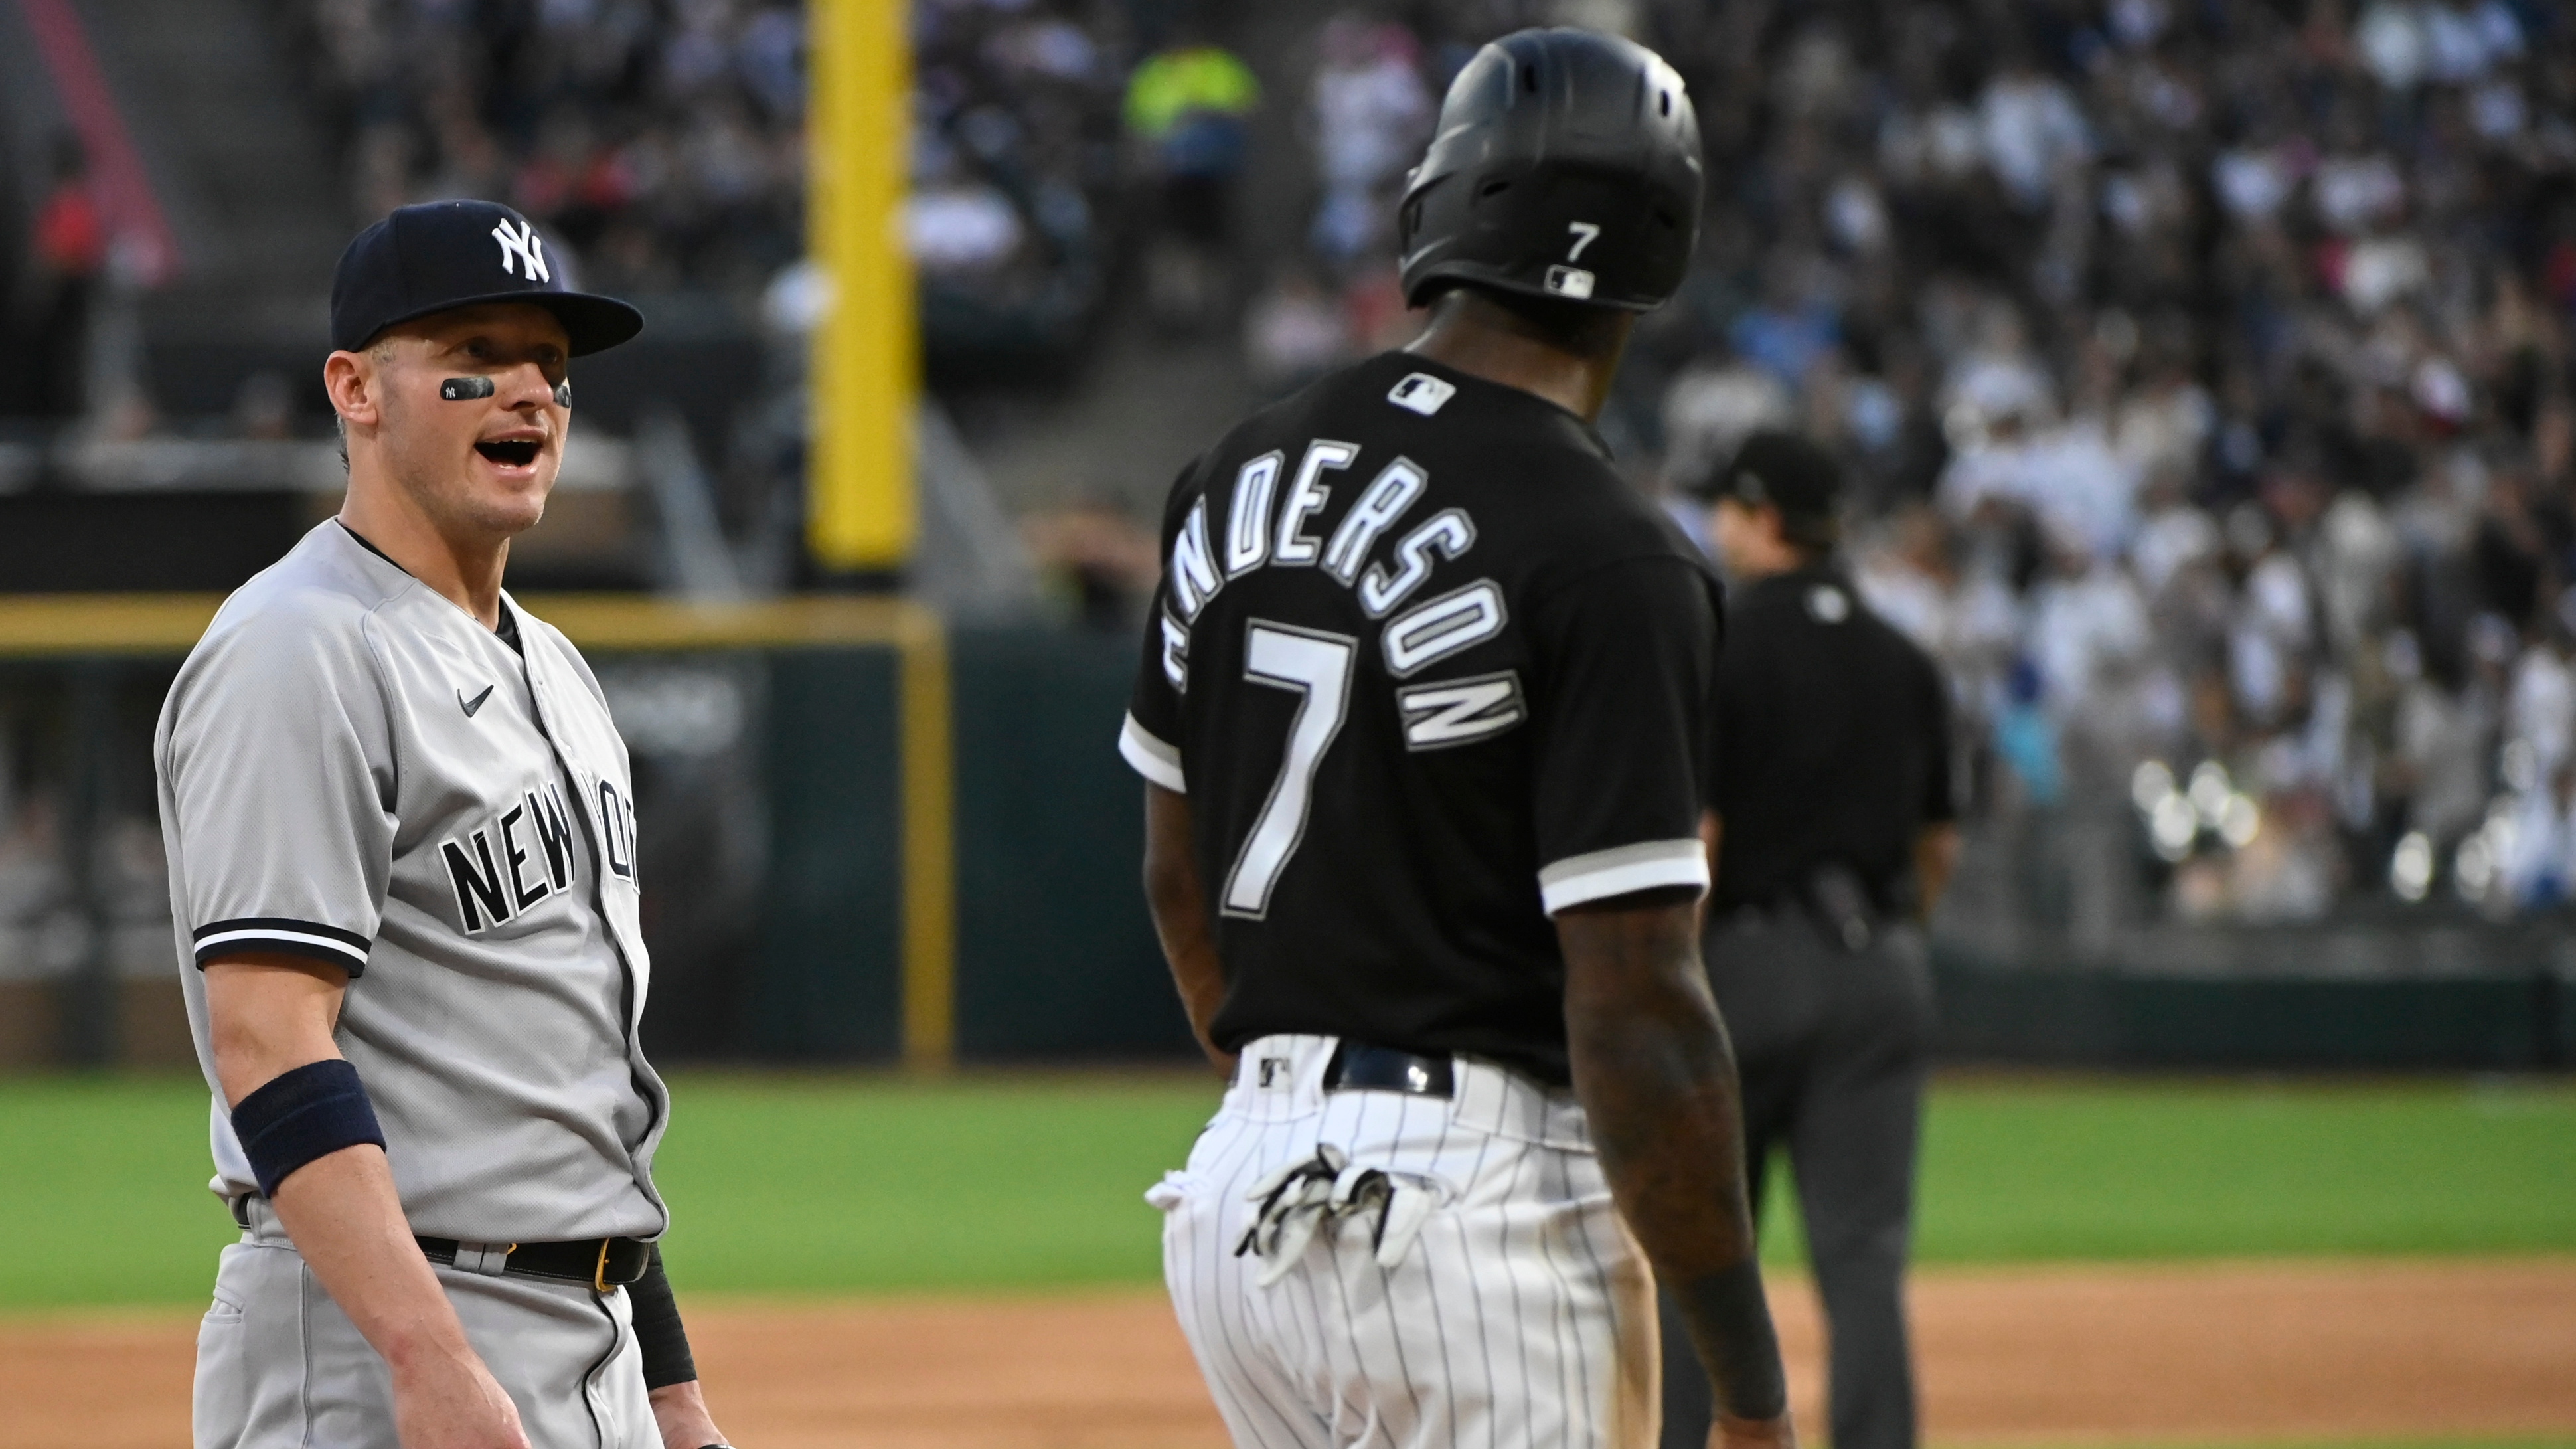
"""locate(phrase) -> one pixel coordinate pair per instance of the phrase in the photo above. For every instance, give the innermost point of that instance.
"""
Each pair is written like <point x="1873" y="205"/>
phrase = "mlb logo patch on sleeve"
<point x="1422" y="393"/>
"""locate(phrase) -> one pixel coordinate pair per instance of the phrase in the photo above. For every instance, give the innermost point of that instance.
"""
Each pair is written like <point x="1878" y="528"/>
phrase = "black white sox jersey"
<point x="1429" y="672"/>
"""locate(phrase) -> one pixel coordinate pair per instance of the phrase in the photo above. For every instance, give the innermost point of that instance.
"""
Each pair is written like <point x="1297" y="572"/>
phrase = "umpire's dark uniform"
<point x="1831" y="769"/>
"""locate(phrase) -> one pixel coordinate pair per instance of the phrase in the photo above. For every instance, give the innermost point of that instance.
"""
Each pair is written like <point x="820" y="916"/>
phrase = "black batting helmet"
<point x="1566" y="165"/>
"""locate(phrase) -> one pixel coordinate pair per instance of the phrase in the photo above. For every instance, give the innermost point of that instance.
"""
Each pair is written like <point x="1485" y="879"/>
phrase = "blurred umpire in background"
<point x="1830" y="791"/>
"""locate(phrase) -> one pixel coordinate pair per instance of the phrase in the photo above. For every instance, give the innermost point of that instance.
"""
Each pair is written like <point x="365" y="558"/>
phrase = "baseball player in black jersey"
<point x="1422" y="709"/>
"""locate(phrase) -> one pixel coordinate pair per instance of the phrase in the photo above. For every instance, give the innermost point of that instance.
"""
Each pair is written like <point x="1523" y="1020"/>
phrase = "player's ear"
<point x="350" y="378"/>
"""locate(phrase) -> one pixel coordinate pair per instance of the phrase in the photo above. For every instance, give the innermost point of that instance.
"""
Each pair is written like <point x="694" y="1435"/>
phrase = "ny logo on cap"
<point x="523" y="252"/>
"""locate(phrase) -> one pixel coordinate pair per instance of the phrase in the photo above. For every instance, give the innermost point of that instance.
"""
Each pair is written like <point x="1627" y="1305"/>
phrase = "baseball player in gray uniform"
<point x="401" y="838"/>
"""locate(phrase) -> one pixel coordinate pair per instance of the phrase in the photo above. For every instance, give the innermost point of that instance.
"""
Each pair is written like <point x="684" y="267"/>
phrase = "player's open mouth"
<point x="509" y="452"/>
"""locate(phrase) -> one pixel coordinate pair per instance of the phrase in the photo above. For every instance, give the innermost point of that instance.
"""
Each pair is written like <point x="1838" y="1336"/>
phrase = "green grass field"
<point x="837" y="1184"/>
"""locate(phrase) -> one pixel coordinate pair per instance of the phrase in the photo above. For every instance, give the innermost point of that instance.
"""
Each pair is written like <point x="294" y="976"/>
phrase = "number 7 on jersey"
<point x="1317" y="668"/>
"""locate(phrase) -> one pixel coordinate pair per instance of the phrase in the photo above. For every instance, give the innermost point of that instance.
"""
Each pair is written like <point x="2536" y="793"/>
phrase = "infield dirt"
<point x="2317" y="1350"/>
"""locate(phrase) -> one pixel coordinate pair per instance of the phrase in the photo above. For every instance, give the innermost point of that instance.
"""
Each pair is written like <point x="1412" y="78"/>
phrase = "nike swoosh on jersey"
<point x="475" y="703"/>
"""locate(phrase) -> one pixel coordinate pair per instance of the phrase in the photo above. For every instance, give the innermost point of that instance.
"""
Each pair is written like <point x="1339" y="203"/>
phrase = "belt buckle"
<point x="599" y="1274"/>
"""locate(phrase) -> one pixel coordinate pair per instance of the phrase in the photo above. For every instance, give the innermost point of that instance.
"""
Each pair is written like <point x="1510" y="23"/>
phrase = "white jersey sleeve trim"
<point x="345" y="949"/>
<point x="1153" y="759"/>
<point x="1648" y="865"/>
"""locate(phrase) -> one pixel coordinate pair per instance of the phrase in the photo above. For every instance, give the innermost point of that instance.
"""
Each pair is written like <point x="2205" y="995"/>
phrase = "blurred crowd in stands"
<point x="2202" y="372"/>
<point x="2201" y="366"/>
<point x="48" y="287"/>
<point x="1016" y="168"/>
<point x="662" y="139"/>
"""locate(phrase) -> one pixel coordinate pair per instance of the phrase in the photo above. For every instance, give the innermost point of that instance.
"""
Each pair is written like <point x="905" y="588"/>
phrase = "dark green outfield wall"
<point x="829" y="961"/>
<point x="2502" y="1020"/>
<point x="1055" y="956"/>
<point x="1056" y="959"/>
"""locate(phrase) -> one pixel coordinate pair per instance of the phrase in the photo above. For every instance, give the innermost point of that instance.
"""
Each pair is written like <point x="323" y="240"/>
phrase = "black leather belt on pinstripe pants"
<point x="1359" y="1067"/>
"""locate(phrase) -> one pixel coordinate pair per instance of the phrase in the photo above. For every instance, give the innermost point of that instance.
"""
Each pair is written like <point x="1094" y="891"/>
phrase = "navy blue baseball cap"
<point x="441" y="255"/>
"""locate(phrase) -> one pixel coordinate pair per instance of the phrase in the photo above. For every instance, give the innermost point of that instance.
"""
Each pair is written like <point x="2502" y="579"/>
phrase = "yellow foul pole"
<point x="861" y="515"/>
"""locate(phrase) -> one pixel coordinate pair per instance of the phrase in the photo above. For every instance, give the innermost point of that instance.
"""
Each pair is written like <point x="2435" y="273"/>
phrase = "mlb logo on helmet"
<point x="1572" y="282"/>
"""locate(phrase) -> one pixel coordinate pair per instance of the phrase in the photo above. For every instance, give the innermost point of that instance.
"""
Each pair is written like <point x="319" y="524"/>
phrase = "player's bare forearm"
<point x="346" y="1221"/>
<point x="680" y="1412"/>
<point x="269" y="1015"/>
<point x="1657" y="1079"/>
<point x="1936" y="856"/>
<point x="1178" y="900"/>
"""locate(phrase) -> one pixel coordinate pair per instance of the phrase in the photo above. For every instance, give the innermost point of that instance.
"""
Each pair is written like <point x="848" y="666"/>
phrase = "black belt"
<point x="1360" y="1068"/>
<point x="598" y="1263"/>
<point x="601" y="1263"/>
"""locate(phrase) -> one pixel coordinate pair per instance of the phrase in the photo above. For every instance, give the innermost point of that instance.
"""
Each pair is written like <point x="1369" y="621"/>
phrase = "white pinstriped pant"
<point x="1522" y="1318"/>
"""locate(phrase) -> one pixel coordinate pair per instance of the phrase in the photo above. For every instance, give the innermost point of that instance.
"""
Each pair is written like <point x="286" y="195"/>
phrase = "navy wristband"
<point x="310" y="1112"/>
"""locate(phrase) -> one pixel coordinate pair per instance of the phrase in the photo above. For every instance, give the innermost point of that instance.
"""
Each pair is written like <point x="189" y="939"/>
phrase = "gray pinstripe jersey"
<point x="355" y="770"/>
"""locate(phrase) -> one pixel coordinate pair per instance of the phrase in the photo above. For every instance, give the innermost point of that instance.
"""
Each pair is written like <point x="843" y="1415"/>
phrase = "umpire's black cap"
<point x="1787" y="472"/>
<point x="1567" y="166"/>
<point x="441" y="255"/>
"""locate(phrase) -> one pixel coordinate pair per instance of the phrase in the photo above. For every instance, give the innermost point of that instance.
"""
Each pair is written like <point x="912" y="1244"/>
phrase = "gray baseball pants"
<point x="279" y="1366"/>
<point x="1834" y="1047"/>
